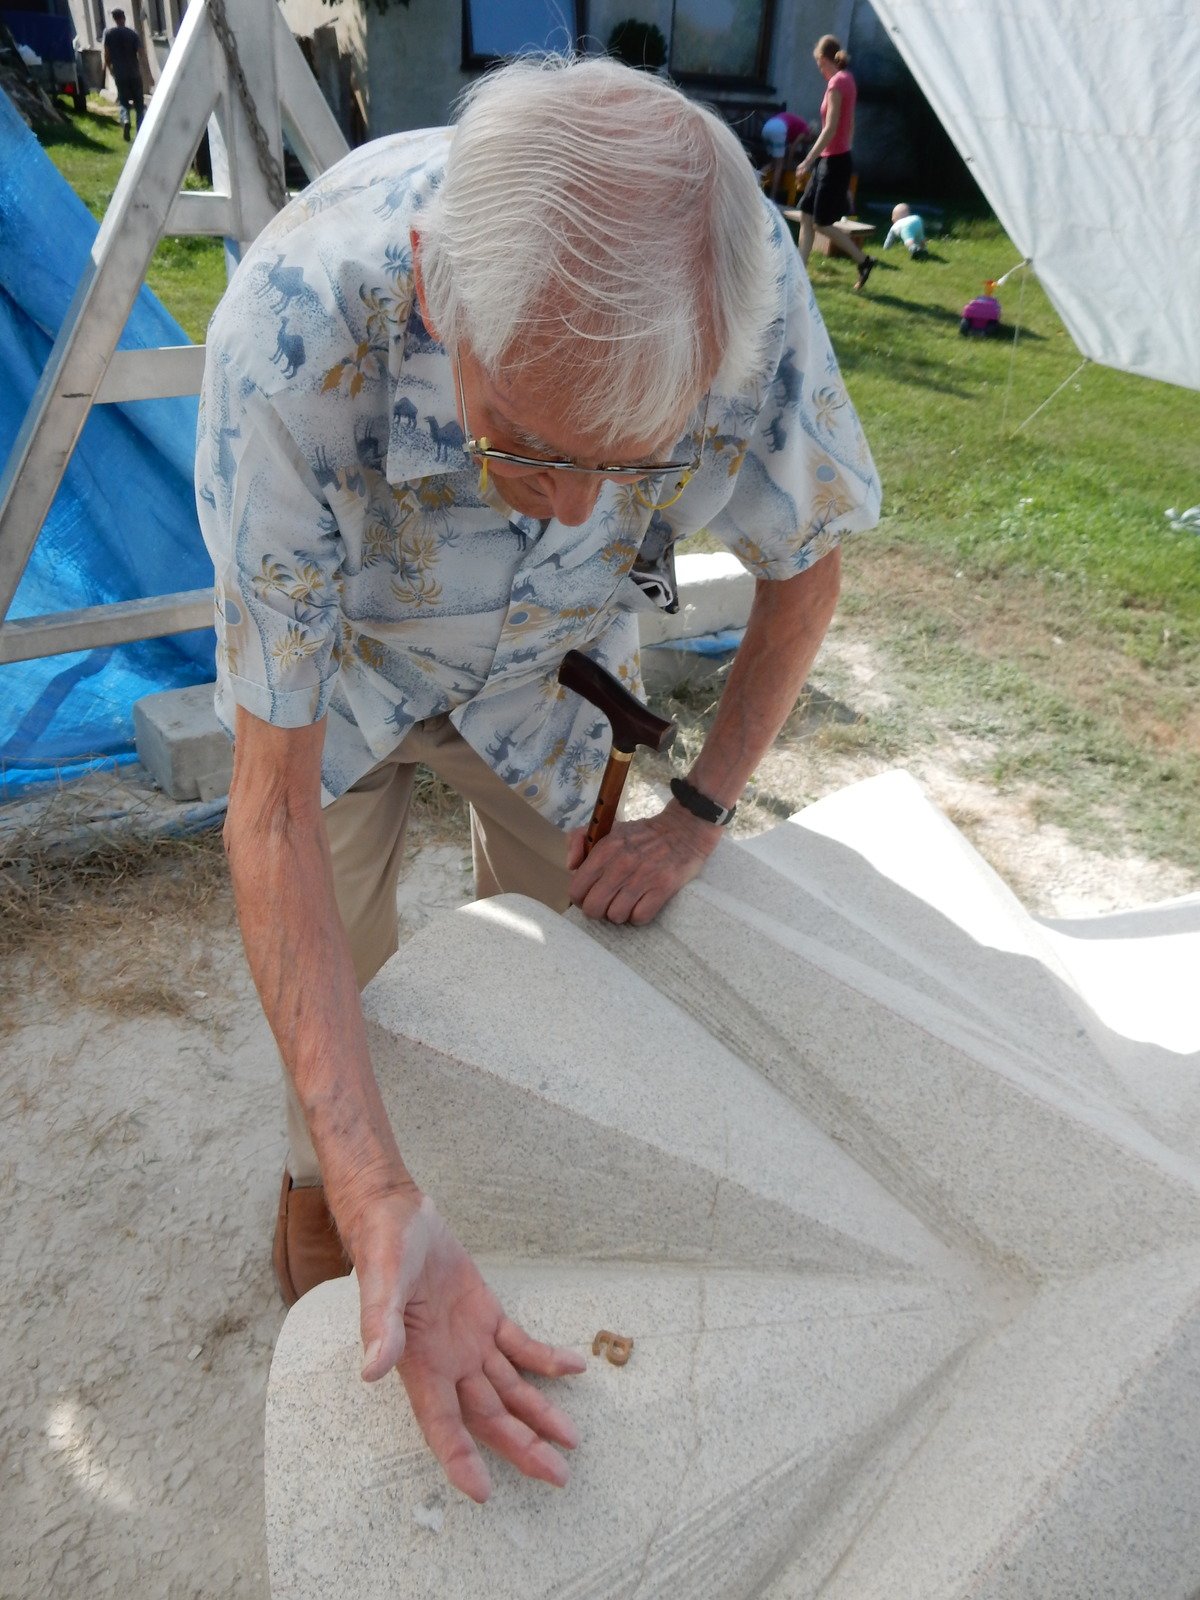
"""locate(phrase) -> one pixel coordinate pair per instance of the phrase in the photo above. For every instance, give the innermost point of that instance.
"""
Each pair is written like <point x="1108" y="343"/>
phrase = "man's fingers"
<point x="530" y="1405"/>
<point x="484" y="1413"/>
<point x="439" y="1415"/>
<point x="586" y="870"/>
<point x="632" y="874"/>
<point x="639" y="903"/>
<point x="637" y="900"/>
<point x="381" y="1325"/>
<point x="648" y="908"/>
<point x="596" y="902"/>
<point x="531" y="1355"/>
<point x="576" y="848"/>
<point x="384" y="1351"/>
<point x="621" y="903"/>
<point x="602" y="877"/>
<point x="388" y="1264"/>
<point x="381" y="1301"/>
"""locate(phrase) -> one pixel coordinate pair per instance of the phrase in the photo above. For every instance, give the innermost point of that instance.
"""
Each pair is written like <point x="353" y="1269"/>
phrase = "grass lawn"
<point x="1025" y="585"/>
<point x="188" y="274"/>
<point x="1026" y="590"/>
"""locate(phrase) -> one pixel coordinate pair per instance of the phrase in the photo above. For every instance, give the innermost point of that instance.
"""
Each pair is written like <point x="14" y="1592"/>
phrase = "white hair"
<point x="598" y="227"/>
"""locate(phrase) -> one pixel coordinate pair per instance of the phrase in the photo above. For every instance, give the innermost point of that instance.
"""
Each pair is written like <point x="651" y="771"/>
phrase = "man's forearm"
<point x="300" y="959"/>
<point x="787" y="623"/>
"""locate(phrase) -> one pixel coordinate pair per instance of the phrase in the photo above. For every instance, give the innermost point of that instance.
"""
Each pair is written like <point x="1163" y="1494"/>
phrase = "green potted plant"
<point x="638" y="44"/>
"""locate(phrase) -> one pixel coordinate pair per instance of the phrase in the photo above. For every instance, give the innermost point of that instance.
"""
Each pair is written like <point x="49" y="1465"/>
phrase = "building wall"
<point x="349" y="23"/>
<point x="89" y="21"/>
<point x="406" y="66"/>
<point x="898" y="147"/>
<point x="416" y="73"/>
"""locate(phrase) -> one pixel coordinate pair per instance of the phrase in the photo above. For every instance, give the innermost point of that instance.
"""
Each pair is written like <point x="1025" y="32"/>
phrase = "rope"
<point x="1012" y="355"/>
<point x="1012" y="360"/>
<point x="998" y="283"/>
<point x="1084" y="363"/>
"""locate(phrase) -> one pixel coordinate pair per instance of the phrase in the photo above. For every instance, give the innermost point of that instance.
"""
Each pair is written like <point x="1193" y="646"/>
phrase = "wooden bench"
<point x="861" y="232"/>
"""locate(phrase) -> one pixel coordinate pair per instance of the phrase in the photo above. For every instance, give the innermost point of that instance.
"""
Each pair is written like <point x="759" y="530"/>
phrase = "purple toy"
<point x="981" y="316"/>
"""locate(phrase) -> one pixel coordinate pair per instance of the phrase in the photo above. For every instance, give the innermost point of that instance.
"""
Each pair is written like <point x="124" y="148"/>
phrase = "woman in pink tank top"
<point x="827" y="196"/>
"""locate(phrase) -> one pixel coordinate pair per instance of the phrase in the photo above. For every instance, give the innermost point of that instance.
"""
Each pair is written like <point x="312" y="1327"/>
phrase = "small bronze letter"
<point x="612" y="1345"/>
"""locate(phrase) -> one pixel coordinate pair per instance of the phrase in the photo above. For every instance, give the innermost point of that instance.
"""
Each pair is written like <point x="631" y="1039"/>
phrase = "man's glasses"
<point x="624" y="472"/>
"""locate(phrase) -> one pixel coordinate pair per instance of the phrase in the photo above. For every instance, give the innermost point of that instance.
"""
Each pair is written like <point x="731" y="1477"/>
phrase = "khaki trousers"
<point x="514" y="849"/>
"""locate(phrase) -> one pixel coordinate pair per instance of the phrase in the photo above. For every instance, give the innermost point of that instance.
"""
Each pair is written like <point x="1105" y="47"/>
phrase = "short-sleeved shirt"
<point x="910" y="231"/>
<point x="362" y="577"/>
<point x="123" y="46"/>
<point x="843" y="134"/>
<point x="782" y="130"/>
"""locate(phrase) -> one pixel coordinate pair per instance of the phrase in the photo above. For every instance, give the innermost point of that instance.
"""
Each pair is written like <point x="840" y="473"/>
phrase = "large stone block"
<point x="695" y="644"/>
<point x="181" y="743"/>
<point x="900" y="1207"/>
<point x="715" y="594"/>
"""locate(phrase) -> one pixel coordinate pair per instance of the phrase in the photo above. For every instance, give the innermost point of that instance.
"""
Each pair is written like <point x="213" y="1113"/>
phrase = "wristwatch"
<point x="700" y="805"/>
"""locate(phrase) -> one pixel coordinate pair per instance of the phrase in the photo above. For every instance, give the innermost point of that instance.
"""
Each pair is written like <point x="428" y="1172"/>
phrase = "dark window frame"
<point x="476" y="61"/>
<point x="757" y="82"/>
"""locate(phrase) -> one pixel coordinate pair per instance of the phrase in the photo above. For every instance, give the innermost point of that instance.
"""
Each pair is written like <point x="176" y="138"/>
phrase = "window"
<point x="496" y="29"/>
<point x="721" y="41"/>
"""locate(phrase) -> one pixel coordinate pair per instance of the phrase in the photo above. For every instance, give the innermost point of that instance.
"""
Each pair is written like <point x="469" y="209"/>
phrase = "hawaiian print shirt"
<point x="360" y="574"/>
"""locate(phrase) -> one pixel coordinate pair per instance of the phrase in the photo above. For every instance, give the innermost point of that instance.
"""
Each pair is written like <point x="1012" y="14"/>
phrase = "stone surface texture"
<point x="895" y="1188"/>
<point x="181" y="743"/>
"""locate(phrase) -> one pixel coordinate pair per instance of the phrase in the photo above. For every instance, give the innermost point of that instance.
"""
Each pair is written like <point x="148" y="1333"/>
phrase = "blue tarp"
<point x="123" y="525"/>
<point x="50" y="36"/>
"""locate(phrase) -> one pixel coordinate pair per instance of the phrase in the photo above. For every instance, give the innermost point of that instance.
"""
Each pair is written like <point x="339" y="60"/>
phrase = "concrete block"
<point x="692" y="648"/>
<point x="181" y="743"/>
<point x="715" y="593"/>
<point x="689" y="663"/>
<point x="904" y="1223"/>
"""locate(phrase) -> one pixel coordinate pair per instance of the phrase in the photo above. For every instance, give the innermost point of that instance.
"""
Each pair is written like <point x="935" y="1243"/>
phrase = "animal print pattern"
<point x="361" y="576"/>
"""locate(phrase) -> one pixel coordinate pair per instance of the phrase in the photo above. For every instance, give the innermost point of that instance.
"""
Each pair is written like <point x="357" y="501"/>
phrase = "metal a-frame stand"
<point x="253" y="90"/>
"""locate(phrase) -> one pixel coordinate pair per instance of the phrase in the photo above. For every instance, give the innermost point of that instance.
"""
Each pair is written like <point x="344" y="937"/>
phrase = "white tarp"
<point x="1081" y="124"/>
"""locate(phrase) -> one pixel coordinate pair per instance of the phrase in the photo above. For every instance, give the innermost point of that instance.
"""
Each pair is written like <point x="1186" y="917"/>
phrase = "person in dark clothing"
<point x="122" y="58"/>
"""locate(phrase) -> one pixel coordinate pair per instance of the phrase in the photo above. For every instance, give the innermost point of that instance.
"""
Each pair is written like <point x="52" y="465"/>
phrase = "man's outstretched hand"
<point x="630" y="875"/>
<point x="426" y="1310"/>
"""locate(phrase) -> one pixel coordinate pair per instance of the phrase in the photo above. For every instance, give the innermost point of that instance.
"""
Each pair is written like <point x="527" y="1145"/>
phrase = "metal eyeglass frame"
<point x="483" y="452"/>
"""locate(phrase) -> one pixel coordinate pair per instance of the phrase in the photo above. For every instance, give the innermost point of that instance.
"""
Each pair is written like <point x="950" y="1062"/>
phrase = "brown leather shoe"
<point x="307" y="1249"/>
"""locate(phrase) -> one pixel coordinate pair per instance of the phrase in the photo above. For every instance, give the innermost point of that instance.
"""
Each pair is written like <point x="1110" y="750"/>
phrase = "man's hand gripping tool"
<point x="632" y="725"/>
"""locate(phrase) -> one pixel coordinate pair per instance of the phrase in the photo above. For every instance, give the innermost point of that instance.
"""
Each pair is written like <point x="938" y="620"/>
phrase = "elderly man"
<point x="462" y="398"/>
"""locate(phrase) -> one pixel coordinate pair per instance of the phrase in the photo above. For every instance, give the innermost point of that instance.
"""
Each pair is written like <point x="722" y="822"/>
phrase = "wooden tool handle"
<point x="631" y="722"/>
<point x="611" y="786"/>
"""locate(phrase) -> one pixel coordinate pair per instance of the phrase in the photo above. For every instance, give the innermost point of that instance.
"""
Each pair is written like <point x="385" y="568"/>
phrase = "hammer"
<point x="632" y="724"/>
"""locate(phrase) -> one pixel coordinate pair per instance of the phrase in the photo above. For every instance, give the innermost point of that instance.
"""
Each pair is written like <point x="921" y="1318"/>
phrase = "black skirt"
<point x="827" y="198"/>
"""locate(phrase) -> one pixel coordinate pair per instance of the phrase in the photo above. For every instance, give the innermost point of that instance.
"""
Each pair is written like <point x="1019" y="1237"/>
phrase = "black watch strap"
<point x="700" y="805"/>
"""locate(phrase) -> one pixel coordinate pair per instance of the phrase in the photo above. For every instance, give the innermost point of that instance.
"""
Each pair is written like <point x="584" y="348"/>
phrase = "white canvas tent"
<point x="1081" y="124"/>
